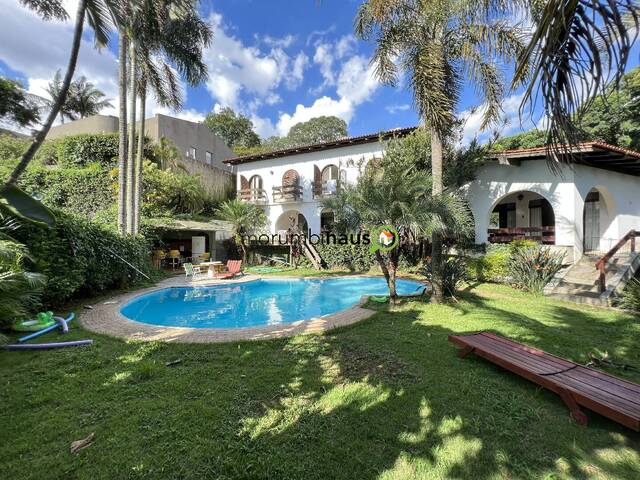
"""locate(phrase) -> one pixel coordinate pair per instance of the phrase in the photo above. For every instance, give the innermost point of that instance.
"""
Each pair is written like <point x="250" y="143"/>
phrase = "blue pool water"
<point x="257" y="303"/>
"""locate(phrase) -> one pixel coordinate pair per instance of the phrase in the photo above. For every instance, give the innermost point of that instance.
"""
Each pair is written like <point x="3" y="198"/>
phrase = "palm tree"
<point x="245" y="219"/>
<point x="100" y="14"/>
<point x="577" y="49"/>
<point x="53" y="89"/>
<point x="397" y="194"/>
<point x="122" y="130"/>
<point x="166" y="33"/>
<point x="437" y="45"/>
<point x="84" y="99"/>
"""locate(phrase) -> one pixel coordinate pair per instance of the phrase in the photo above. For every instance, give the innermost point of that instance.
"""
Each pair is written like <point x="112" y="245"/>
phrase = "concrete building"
<point x="194" y="140"/>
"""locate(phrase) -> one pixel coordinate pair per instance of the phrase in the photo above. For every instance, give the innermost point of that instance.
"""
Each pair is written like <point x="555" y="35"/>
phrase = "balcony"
<point x="287" y="193"/>
<point x="324" y="189"/>
<point x="545" y="235"/>
<point x="257" y="196"/>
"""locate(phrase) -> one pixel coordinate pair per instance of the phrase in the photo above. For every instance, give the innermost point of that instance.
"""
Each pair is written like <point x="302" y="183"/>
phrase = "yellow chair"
<point x="174" y="258"/>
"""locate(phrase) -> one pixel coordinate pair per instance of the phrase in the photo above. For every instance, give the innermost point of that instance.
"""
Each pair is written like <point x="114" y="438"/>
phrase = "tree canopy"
<point x="612" y="118"/>
<point x="16" y="106"/>
<point x="234" y="128"/>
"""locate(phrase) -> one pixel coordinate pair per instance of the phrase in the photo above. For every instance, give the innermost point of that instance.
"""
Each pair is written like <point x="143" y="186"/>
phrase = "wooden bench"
<point x="577" y="385"/>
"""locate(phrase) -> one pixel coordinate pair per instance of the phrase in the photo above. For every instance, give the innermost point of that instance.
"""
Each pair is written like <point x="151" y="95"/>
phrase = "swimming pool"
<point x="264" y="302"/>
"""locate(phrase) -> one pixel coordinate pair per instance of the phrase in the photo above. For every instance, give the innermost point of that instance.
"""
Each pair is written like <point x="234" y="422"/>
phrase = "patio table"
<point x="212" y="267"/>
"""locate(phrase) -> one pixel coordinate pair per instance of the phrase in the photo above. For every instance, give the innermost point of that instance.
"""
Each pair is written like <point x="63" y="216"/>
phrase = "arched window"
<point x="255" y="187"/>
<point x="330" y="178"/>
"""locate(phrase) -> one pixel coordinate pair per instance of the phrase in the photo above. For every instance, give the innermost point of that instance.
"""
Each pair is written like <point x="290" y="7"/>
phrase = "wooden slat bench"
<point x="577" y="385"/>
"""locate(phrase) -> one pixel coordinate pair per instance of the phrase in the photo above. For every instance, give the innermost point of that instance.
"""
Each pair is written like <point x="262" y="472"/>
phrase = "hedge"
<point x="78" y="257"/>
<point x="82" y="191"/>
<point x="80" y="150"/>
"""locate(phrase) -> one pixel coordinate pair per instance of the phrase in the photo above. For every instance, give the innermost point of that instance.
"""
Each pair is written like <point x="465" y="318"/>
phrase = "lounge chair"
<point x="194" y="272"/>
<point x="234" y="267"/>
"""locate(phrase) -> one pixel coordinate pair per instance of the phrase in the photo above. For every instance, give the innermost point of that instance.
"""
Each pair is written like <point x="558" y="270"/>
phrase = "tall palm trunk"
<point x="58" y="101"/>
<point x="132" y="136"/>
<point x="137" y="187"/>
<point x="122" y="132"/>
<point x="436" y="239"/>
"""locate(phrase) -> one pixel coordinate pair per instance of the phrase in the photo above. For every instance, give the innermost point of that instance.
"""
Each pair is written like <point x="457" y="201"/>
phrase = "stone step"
<point x="593" y="300"/>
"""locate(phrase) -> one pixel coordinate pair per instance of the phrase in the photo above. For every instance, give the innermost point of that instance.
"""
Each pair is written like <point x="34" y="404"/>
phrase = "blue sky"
<point x="277" y="61"/>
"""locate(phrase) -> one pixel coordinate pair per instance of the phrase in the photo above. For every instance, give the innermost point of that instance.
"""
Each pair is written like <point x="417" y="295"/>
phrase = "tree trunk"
<point x="137" y="187"/>
<point x="132" y="135"/>
<point x="122" y="132"/>
<point x="437" y="294"/>
<point x="58" y="101"/>
<point x="389" y="274"/>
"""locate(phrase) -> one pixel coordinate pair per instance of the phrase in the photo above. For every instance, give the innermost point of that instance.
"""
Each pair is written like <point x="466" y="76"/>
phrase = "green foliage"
<point x="81" y="191"/>
<point x="630" y="297"/>
<point x="83" y="98"/>
<point x="166" y="192"/>
<point x="532" y="268"/>
<point x="454" y="274"/>
<point x="355" y="258"/>
<point x="459" y="164"/>
<point x="317" y="130"/>
<point x="615" y="118"/>
<point x="530" y="139"/>
<point x="245" y="218"/>
<point x="492" y="267"/>
<point x="11" y="149"/>
<point x="235" y="129"/>
<point x="19" y="288"/>
<point x="16" y="105"/>
<point x="80" y="150"/>
<point x="77" y="257"/>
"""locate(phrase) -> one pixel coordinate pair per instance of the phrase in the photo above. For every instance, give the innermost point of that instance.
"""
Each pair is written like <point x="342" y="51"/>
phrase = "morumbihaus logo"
<point x="382" y="239"/>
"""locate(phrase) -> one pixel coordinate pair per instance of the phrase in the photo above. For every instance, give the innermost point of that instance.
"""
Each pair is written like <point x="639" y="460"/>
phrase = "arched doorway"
<point x="291" y="220"/>
<point x="598" y="232"/>
<point x="522" y="215"/>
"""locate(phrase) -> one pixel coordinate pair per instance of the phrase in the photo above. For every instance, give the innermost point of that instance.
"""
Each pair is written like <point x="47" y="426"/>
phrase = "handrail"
<point x="252" y="194"/>
<point x="287" y="193"/>
<point x="601" y="264"/>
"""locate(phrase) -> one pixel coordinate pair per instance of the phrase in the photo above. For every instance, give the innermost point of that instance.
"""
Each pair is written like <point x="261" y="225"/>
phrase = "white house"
<point x="585" y="206"/>
<point x="291" y="183"/>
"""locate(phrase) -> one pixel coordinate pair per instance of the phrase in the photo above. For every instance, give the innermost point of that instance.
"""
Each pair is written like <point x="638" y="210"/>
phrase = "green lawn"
<point x="386" y="398"/>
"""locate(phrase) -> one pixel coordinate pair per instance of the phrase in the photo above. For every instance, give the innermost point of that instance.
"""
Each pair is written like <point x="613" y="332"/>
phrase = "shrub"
<point x="454" y="273"/>
<point x="491" y="267"/>
<point x="79" y="257"/>
<point x="355" y="258"/>
<point x="80" y="150"/>
<point x="167" y="192"/>
<point x="532" y="268"/>
<point x="82" y="191"/>
<point x="11" y="149"/>
<point x="630" y="298"/>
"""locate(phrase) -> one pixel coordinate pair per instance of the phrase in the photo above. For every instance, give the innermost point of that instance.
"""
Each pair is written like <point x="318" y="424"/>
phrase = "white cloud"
<point x="356" y="81"/>
<point x="297" y="71"/>
<point x="341" y="108"/>
<point x="282" y="42"/>
<point x="397" y="107"/>
<point x="473" y="120"/>
<point x="236" y="69"/>
<point x="327" y="54"/>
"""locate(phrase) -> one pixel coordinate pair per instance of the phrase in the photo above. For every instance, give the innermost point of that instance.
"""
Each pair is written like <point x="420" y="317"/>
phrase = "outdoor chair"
<point x="194" y="272"/>
<point x="234" y="267"/>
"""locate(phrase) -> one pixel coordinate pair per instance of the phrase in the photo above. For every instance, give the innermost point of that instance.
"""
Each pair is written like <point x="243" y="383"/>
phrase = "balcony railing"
<point x="324" y="189"/>
<point x="287" y="193"/>
<point x="253" y="195"/>
<point x="546" y="235"/>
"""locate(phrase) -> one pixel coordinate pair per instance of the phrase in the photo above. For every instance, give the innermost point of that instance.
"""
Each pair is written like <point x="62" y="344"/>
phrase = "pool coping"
<point x="105" y="317"/>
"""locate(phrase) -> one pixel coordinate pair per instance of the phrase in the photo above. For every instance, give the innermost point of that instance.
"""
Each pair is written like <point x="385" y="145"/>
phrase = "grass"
<point x="386" y="398"/>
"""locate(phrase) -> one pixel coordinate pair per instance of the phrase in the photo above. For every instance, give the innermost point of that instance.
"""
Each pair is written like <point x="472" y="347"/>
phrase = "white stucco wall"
<point x="566" y="192"/>
<point x="349" y="159"/>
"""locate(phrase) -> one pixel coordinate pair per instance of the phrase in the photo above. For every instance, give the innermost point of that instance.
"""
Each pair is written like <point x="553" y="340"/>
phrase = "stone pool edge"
<point x="105" y="318"/>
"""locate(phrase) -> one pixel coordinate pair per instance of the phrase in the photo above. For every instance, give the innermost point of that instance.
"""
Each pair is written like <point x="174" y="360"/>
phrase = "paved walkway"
<point x="106" y="318"/>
